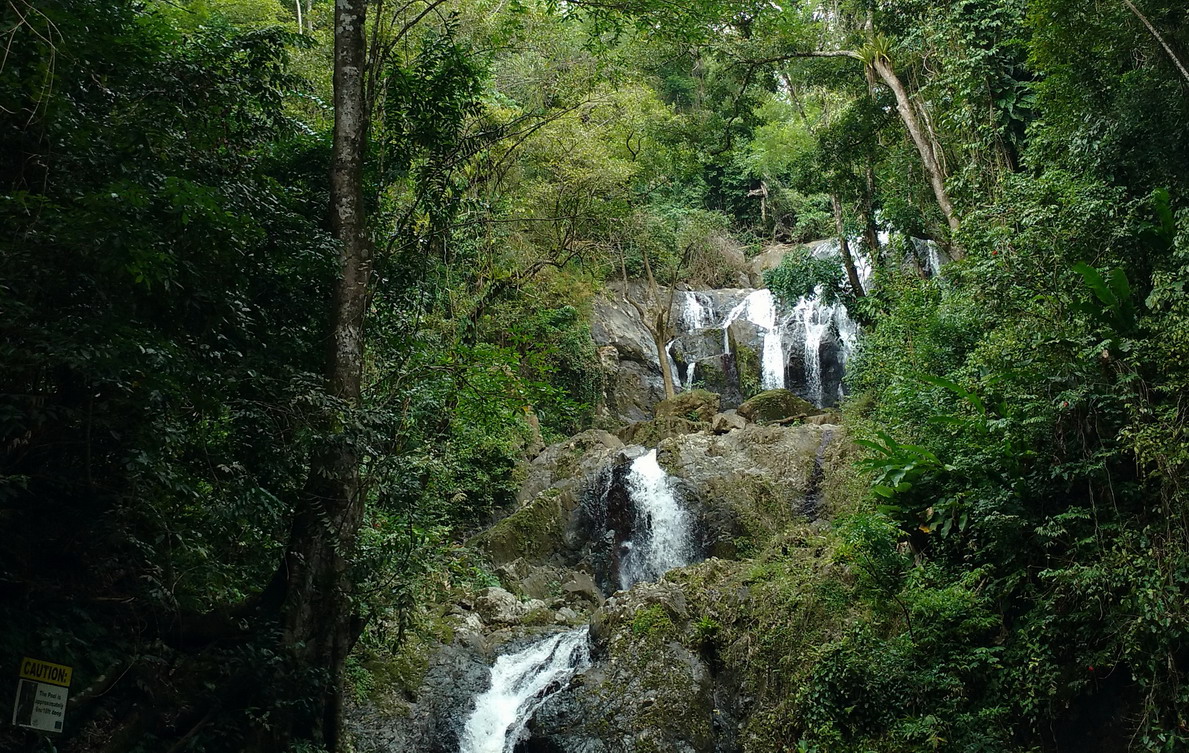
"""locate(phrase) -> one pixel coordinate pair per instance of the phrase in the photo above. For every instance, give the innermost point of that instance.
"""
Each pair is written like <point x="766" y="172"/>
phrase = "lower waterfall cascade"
<point x="661" y="540"/>
<point x="520" y="682"/>
<point x="662" y="536"/>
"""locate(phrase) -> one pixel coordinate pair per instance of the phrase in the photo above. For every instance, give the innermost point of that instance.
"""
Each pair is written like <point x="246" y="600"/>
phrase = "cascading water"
<point x="694" y="314"/>
<point x="520" y="683"/>
<point x="662" y="536"/>
<point x="662" y="539"/>
<point x="815" y="319"/>
<point x="759" y="308"/>
<point x="772" y="365"/>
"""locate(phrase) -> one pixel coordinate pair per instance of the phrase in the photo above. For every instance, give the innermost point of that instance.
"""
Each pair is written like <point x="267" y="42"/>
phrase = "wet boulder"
<point x="694" y="405"/>
<point x="776" y="405"/>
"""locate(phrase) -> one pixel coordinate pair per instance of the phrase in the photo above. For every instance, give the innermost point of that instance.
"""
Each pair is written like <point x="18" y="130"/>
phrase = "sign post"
<point x="41" y="695"/>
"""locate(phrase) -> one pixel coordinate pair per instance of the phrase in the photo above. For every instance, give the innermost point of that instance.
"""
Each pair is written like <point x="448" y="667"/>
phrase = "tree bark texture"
<point x="924" y="145"/>
<point x="1159" y="38"/>
<point x="662" y="355"/>
<point x="870" y="231"/>
<point x="317" y="614"/>
<point x="908" y="114"/>
<point x="848" y="261"/>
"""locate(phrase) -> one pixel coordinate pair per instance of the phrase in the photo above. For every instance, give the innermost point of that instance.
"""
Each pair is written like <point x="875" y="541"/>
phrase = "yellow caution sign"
<point x="44" y="671"/>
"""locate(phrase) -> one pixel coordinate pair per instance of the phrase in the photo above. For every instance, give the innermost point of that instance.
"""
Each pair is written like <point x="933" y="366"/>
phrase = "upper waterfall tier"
<point x="733" y="341"/>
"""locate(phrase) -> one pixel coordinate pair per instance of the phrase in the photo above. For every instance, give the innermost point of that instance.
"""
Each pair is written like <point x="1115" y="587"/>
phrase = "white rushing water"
<point x="772" y="365"/>
<point x="810" y="324"/>
<point x="759" y="308"/>
<point x="662" y="538"/>
<point x="520" y="683"/>
<point x="695" y="315"/>
<point x="815" y="318"/>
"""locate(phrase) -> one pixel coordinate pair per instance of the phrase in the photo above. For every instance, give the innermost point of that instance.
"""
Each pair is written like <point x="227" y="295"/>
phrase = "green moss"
<point x="533" y="532"/>
<point x="710" y="375"/>
<point x="650" y="433"/>
<point x="767" y="621"/>
<point x="377" y="673"/>
<point x="652" y="621"/>
<point x="538" y="617"/>
<point x="747" y="364"/>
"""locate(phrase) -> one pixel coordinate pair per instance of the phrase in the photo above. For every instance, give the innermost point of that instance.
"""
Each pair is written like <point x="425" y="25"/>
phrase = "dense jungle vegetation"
<point x="260" y="378"/>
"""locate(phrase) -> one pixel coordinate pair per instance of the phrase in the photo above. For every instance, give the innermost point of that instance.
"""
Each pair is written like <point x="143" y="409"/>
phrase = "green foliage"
<point x="803" y="275"/>
<point x="652" y="622"/>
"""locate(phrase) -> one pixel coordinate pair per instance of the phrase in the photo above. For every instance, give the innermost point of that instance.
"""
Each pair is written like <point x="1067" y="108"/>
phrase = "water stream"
<point x="661" y="539"/>
<point x="810" y="325"/>
<point x="662" y="532"/>
<point x="520" y="683"/>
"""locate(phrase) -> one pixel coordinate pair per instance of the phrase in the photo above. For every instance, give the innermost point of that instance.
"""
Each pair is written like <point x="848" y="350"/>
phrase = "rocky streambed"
<point x="623" y="573"/>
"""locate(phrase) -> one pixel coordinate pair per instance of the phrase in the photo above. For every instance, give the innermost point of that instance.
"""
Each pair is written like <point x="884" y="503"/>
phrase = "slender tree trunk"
<point x="318" y="621"/>
<point x="848" y="261"/>
<point x="662" y="355"/>
<point x="301" y="27"/>
<point x="656" y="321"/>
<point x="1159" y="38"/>
<point x="923" y="143"/>
<point x="870" y="231"/>
<point x="924" y="147"/>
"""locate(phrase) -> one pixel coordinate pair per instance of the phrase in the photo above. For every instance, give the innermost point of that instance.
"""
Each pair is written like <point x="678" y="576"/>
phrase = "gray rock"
<point x="695" y="405"/>
<point x="497" y="606"/>
<point x="582" y="586"/>
<point x="776" y="405"/>
<point x="727" y="421"/>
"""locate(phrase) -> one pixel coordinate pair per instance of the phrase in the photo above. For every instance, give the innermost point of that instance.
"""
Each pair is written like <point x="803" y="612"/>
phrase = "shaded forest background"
<point x="168" y="263"/>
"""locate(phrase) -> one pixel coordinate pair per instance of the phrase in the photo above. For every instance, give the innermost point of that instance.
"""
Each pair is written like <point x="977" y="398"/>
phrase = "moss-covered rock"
<point x="648" y="690"/>
<point x="650" y="433"/>
<point x="694" y="405"/>
<point x="534" y="532"/>
<point x="747" y="364"/>
<point x="776" y="405"/>
<point x="745" y="485"/>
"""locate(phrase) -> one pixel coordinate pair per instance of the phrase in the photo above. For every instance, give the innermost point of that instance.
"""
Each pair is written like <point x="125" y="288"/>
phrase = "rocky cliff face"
<point x="735" y="342"/>
<point x="651" y="686"/>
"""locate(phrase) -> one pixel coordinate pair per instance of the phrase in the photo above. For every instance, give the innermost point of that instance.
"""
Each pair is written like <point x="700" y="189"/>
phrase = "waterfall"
<point x="759" y="308"/>
<point x="815" y="320"/>
<point x="662" y="533"/>
<point x="672" y="364"/>
<point x="773" y="361"/>
<point x="694" y="314"/>
<point x="662" y="539"/>
<point x="520" y="683"/>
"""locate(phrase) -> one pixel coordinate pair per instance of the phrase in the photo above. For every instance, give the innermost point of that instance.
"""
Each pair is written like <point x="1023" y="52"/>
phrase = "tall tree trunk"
<point x="1159" y="38"/>
<point x="924" y="146"/>
<point x="870" y="231"/>
<point x="301" y="26"/>
<point x="848" y="261"/>
<point x="318" y="621"/>
<point x="657" y="330"/>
